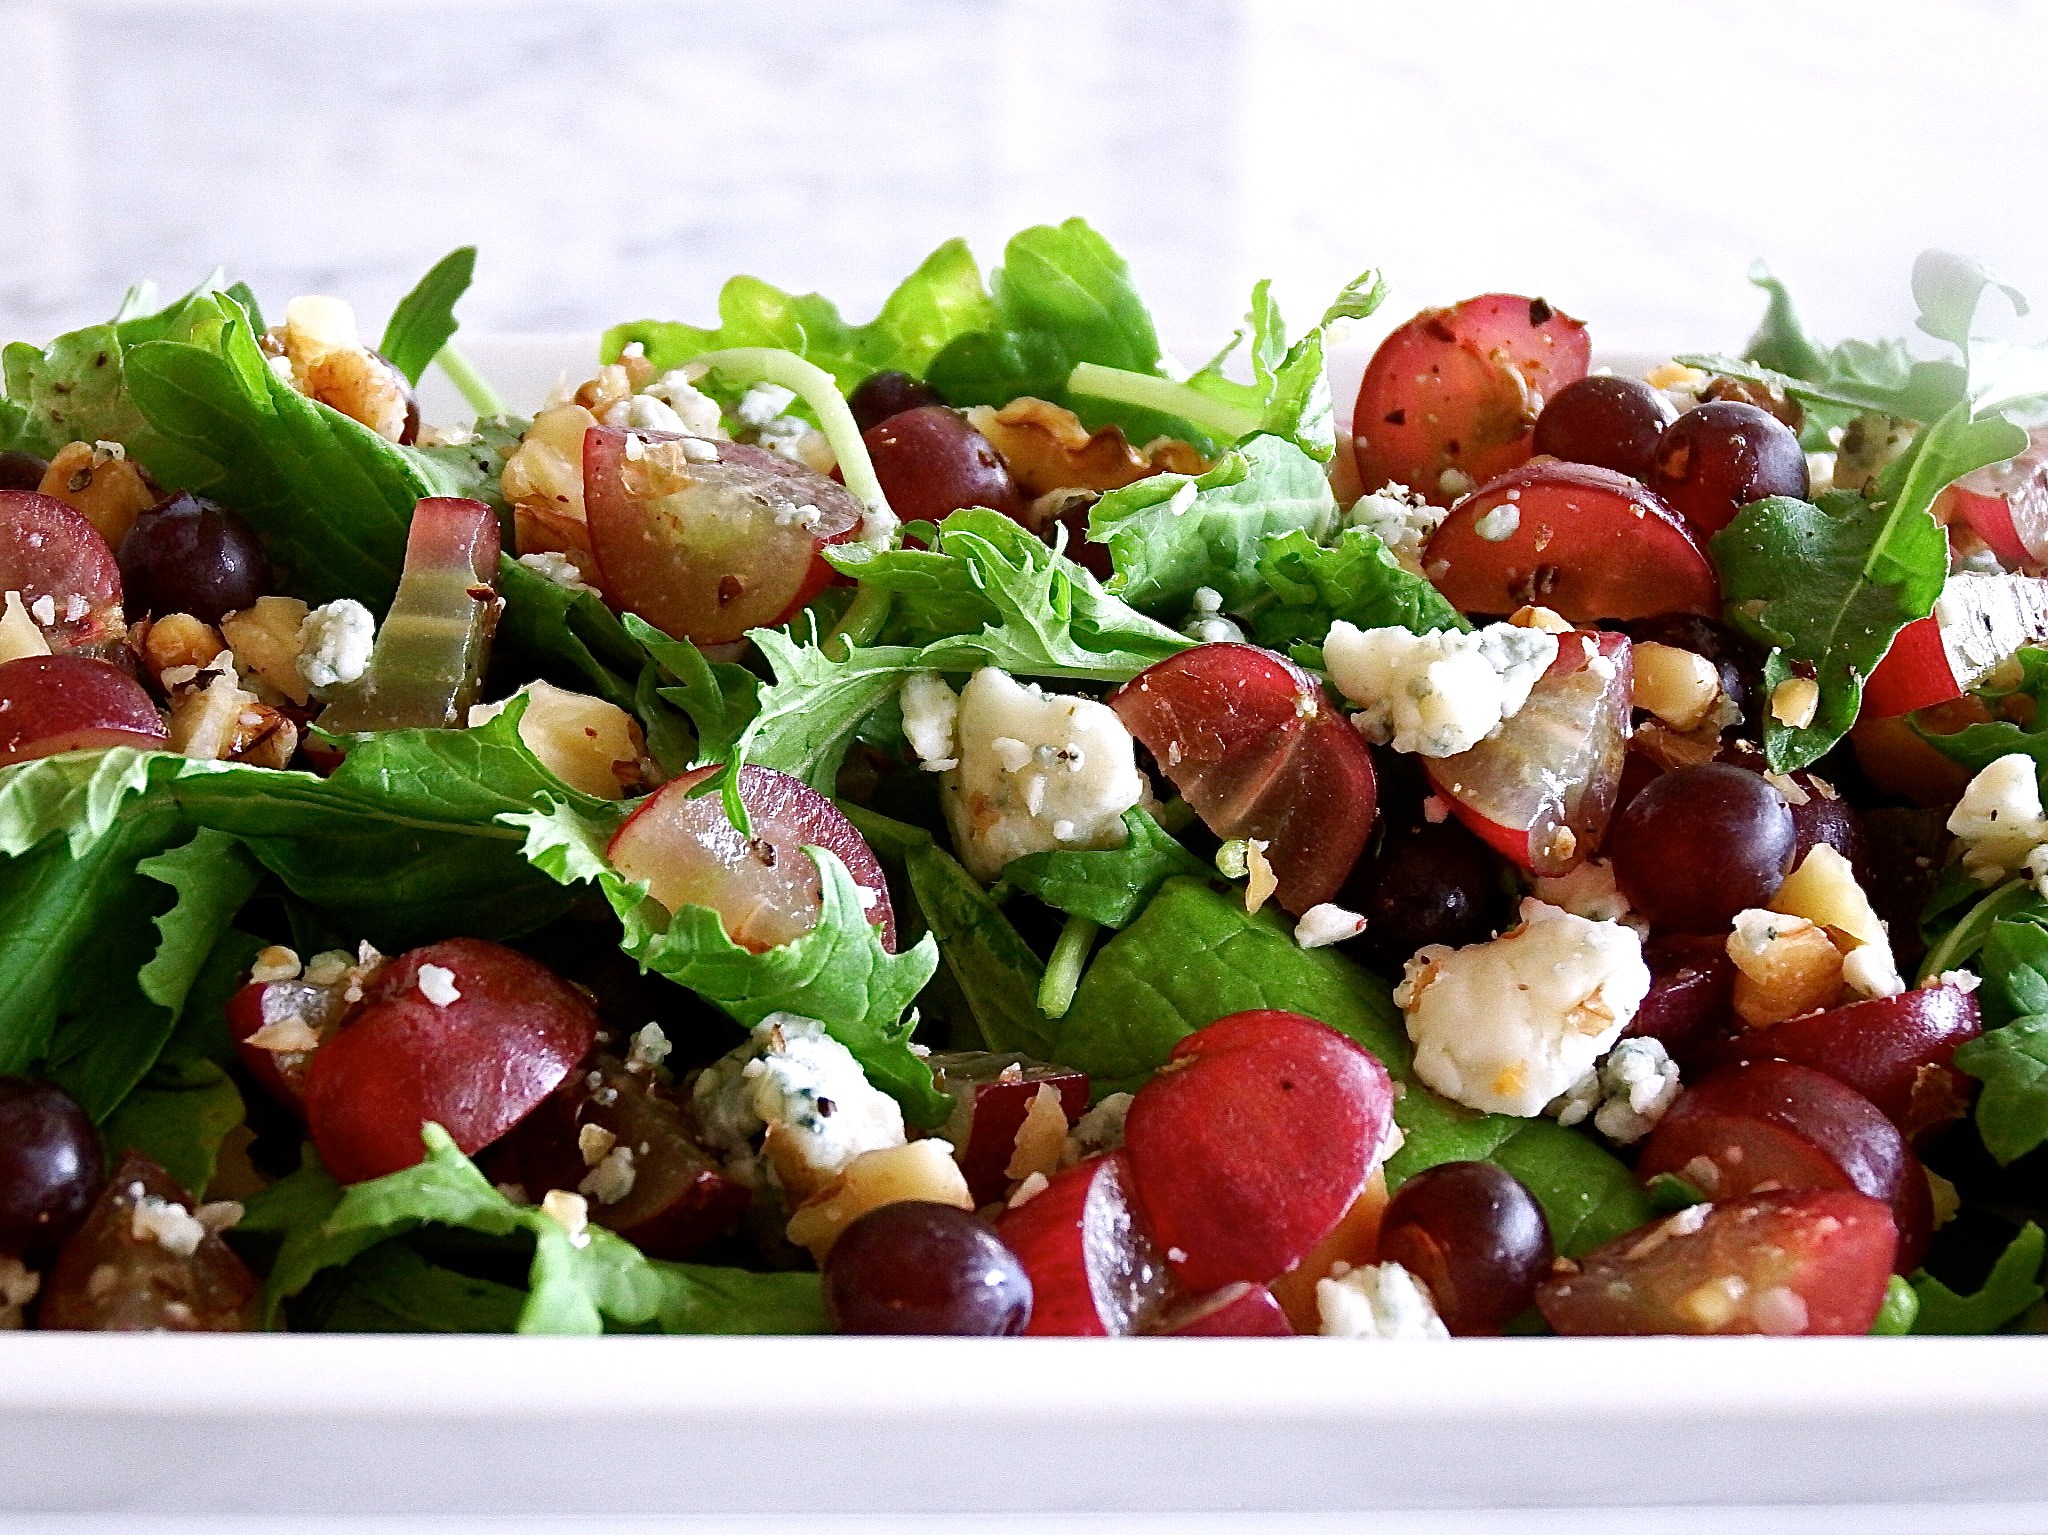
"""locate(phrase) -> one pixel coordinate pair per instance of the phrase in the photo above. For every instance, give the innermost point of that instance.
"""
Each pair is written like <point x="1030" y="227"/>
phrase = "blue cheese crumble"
<point x="1380" y="1300"/>
<point x="335" y="641"/>
<point x="1436" y="694"/>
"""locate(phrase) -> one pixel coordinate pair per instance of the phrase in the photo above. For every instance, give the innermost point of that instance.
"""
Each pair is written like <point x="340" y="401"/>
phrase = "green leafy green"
<point x="1194" y="956"/>
<point x="1899" y="1310"/>
<point x="584" y="1283"/>
<point x="1356" y="578"/>
<point x="392" y="1288"/>
<point x="996" y="971"/>
<point x="1111" y="885"/>
<point x="2011" y="1287"/>
<point x="1976" y="747"/>
<point x="837" y="973"/>
<point x="424" y="320"/>
<point x="2014" y="964"/>
<point x="2012" y="1063"/>
<point x="938" y="303"/>
<point x="1170" y="534"/>
<point x="178" y="1116"/>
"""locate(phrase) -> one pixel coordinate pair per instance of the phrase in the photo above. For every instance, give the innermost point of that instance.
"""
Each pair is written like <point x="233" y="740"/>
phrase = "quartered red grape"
<point x="706" y="547"/>
<point x="1701" y="843"/>
<point x="764" y="887"/>
<point x="465" y="1034"/>
<point x="62" y="703"/>
<point x="1475" y="1237"/>
<point x="992" y="1094"/>
<point x="1605" y="419"/>
<point x="1583" y="541"/>
<point x="1258" y="748"/>
<point x="48" y="549"/>
<point x="930" y="461"/>
<point x="49" y="1166"/>
<point x="2006" y="504"/>
<point x="889" y="393"/>
<point x="1718" y="457"/>
<point x="1460" y="389"/>
<point x="1095" y="1271"/>
<point x="926" y="1269"/>
<point x="1235" y="1311"/>
<point x="1772" y="1124"/>
<point x="138" y="1265"/>
<point x="190" y="555"/>
<point x="1790" y="1263"/>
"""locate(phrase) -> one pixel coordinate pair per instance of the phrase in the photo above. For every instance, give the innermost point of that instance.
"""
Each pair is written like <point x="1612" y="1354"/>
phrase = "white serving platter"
<point x="146" y="1434"/>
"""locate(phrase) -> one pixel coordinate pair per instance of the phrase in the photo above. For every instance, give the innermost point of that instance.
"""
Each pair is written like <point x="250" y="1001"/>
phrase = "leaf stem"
<point x="472" y="386"/>
<point x="1063" y="970"/>
<point x="1120" y="386"/>
<point x="1968" y="935"/>
<point x="817" y="389"/>
<point x="862" y="620"/>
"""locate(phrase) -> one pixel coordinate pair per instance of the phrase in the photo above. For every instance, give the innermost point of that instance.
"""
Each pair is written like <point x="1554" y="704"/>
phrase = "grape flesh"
<point x="1718" y="457"/>
<point x="1475" y="1236"/>
<point x="49" y="1166"/>
<point x="190" y="555"/>
<point x="930" y="461"/>
<point x="1605" y="419"/>
<point x="921" y="1268"/>
<point x="1700" y="844"/>
<point x="889" y="393"/>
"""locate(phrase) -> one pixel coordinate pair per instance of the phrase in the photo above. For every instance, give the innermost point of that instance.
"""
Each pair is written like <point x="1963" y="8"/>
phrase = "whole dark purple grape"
<point x="21" y="471"/>
<point x="50" y="1166"/>
<point x="190" y="555"/>
<point x="1605" y="419"/>
<point x="930" y="462"/>
<point x="1718" y="457"/>
<point x="1739" y="660"/>
<point x="881" y="395"/>
<point x="1428" y="883"/>
<point x="925" y="1269"/>
<point x="1701" y="843"/>
<point x="1475" y="1237"/>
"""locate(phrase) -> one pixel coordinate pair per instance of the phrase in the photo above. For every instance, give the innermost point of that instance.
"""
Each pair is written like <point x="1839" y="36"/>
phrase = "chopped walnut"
<point x="177" y="647"/>
<point x="265" y="639"/>
<point x="99" y="480"/>
<point x="1047" y="448"/>
<point x="1784" y="966"/>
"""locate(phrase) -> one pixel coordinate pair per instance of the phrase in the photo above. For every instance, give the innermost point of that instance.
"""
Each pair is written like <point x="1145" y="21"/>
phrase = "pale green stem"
<point x="1063" y="970"/>
<point x="817" y="389"/>
<point x="1973" y="927"/>
<point x="1120" y="386"/>
<point x="482" y="398"/>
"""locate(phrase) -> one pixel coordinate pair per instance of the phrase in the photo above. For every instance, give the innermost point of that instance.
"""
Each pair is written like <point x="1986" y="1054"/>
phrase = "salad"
<point x="963" y="824"/>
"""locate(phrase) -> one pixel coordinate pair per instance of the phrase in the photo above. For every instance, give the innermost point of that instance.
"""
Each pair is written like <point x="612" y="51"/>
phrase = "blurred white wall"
<point x="618" y="159"/>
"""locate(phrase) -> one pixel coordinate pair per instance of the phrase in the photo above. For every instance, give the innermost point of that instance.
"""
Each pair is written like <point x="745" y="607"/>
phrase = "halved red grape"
<point x="1718" y="457"/>
<point x="1095" y="1272"/>
<point x="1896" y="1051"/>
<point x="1606" y="419"/>
<point x="1692" y="993"/>
<point x="1771" y="1124"/>
<point x="1460" y="389"/>
<point x="1540" y="789"/>
<point x="140" y="1265"/>
<point x="1701" y="843"/>
<point x="187" y="554"/>
<point x="764" y="887"/>
<point x="1980" y="621"/>
<point x="47" y="549"/>
<point x="925" y="1269"/>
<point x="21" y="471"/>
<point x="889" y="393"/>
<point x="465" y="1034"/>
<point x="706" y="547"/>
<point x="49" y="1166"/>
<point x="1235" y="1311"/>
<point x="1475" y="1237"/>
<point x="930" y="462"/>
<point x="1258" y="748"/>
<point x="1804" y="1263"/>
<point x="1586" y="542"/>
<point x="993" y="1093"/>
<point x="300" y="1008"/>
<point x="2006" y="504"/>
<point x="63" y="703"/>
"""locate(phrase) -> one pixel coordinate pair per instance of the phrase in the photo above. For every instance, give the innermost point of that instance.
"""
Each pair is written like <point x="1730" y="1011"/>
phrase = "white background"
<point x="1626" y="158"/>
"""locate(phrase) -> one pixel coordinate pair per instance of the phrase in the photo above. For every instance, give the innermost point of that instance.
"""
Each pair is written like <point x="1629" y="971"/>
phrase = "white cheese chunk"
<point x="1436" y="694"/>
<point x="335" y="642"/>
<point x="1507" y="1025"/>
<point x="1999" y="820"/>
<point x="1380" y="1300"/>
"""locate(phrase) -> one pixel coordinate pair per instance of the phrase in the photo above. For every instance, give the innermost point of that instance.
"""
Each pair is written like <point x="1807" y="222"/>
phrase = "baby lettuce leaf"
<point x="1194" y="956"/>
<point x="178" y="1116"/>
<point x="600" y="1283"/>
<point x="939" y="302"/>
<point x="424" y="320"/>
<point x="2013" y="1285"/>
<point x="392" y="1288"/>
<point x="837" y="973"/>
<point x="1170" y="534"/>
<point x="1355" y="578"/>
<point x="2012" y="1063"/>
<point x="720" y="697"/>
<point x="1109" y="886"/>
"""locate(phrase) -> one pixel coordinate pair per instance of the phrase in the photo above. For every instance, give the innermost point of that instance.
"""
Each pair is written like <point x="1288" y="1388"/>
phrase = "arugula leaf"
<point x="424" y="320"/>
<point x="995" y="969"/>
<point x="1170" y="534"/>
<point x="1782" y="341"/>
<point x="1108" y="886"/>
<point x="2012" y="1063"/>
<point x="2015" y="969"/>
<point x="178" y="1116"/>
<point x="601" y="1283"/>
<point x="1194" y="956"/>
<point x="939" y="302"/>
<point x="837" y="973"/>
<point x="2011" y="1287"/>
<point x="1356" y="578"/>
